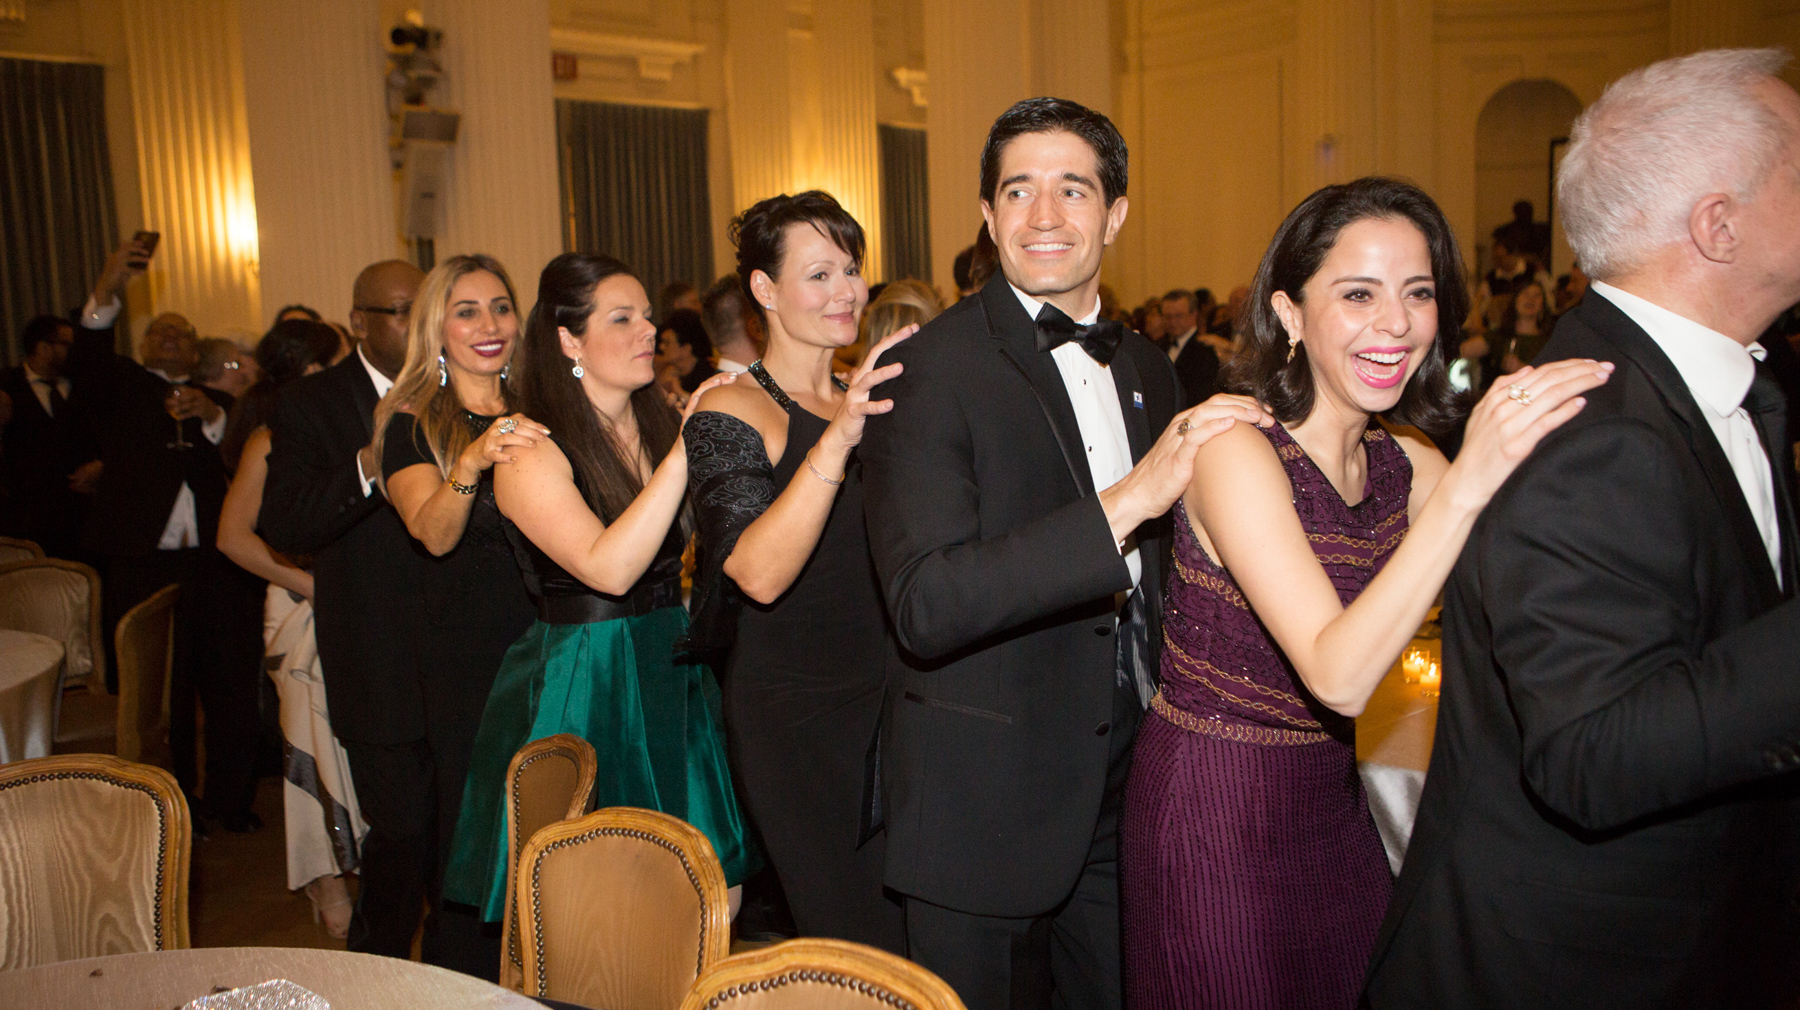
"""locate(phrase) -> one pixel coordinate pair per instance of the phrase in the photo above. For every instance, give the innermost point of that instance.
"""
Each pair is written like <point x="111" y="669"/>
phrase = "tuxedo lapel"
<point x="1016" y="338"/>
<point x="1622" y="332"/>
<point x="1130" y="386"/>
<point x="362" y="391"/>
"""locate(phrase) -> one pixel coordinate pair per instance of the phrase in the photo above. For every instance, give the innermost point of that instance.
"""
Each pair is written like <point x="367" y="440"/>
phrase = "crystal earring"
<point x="1293" y="345"/>
<point x="505" y="371"/>
<point x="577" y="371"/>
<point x="443" y="371"/>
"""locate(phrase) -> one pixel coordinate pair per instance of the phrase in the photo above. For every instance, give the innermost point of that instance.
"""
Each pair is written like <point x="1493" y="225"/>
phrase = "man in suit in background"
<point x="1017" y="506"/>
<point x="320" y="501"/>
<point x="1611" y="814"/>
<point x="154" y="520"/>
<point x="1196" y="363"/>
<point x="48" y="463"/>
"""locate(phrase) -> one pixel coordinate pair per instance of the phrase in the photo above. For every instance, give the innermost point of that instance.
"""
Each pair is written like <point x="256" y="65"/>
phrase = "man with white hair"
<point x="1612" y="817"/>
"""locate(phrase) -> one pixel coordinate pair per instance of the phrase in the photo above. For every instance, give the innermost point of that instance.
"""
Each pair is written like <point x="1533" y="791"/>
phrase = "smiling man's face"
<point x="1049" y="219"/>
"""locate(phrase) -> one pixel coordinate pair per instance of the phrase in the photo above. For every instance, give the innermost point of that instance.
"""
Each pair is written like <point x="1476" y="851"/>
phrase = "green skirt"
<point x="655" y="726"/>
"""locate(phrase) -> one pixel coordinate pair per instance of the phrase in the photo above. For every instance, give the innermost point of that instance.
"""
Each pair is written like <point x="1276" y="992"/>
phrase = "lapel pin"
<point x="1137" y="399"/>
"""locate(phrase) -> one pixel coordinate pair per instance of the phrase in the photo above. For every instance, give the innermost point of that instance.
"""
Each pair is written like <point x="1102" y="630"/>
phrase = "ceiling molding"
<point x="656" y="58"/>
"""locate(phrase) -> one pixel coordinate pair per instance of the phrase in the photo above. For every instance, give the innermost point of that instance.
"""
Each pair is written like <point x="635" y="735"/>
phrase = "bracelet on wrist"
<point x="809" y="465"/>
<point x="465" y="488"/>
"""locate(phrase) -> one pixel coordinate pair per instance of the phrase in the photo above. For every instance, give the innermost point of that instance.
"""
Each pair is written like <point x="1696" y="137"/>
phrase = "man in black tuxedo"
<point x="154" y="520"/>
<point x="1196" y="363"/>
<point x="320" y="501"/>
<point x="1610" y="817"/>
<point x="1017" y="506"/>
<point x="48" y="462"/>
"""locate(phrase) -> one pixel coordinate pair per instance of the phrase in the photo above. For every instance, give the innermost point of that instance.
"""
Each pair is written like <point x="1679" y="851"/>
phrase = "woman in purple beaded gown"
<point x="1306" y="555"/>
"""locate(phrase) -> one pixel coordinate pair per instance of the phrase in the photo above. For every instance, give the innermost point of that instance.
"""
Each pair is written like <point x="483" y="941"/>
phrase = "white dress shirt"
<point x="382" y="385"/>
<point x="1176" y="345"/>
<point x="734" y="367"/>
<point x="40" y="387"/>
<point x="1097" y="413"/>
<point x="1718" y="371"/>
<point x="183" y="527"/>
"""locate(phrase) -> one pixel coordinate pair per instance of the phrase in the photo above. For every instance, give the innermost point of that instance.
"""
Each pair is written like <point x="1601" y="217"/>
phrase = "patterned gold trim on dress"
<point x="1182" y="665"/>
<point x="1290" y="452"/>
<point x="1374" y="434"/>
<point x="1214" y="726"/>
<point x="1213" y="583"/>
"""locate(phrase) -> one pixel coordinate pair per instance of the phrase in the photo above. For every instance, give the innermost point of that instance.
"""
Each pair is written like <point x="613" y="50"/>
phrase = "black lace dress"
<point x="804" y="681"/>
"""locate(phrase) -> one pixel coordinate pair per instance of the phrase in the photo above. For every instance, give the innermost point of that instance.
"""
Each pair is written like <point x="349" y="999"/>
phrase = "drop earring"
<point x="1293" y="345"/>
<point x="577" y="371"/>
<point x="443" y="371"/>
<point x="505" y="371"/>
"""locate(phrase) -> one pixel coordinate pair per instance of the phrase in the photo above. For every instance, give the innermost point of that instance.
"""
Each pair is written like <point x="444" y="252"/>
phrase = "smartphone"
<point x="147" y="239"/>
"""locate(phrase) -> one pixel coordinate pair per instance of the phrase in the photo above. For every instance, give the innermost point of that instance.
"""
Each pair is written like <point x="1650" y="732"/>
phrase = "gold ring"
<point x="1519" y="393"/>
<point x="1182" y="428"/>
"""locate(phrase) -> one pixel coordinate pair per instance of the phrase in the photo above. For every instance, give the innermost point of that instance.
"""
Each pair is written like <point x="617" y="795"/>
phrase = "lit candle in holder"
<point x="1419" y="665"/>
<point x="1429" y="680"/>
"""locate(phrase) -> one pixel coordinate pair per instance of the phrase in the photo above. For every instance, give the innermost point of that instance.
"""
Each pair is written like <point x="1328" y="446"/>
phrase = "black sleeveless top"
<point x="564" y="599"/>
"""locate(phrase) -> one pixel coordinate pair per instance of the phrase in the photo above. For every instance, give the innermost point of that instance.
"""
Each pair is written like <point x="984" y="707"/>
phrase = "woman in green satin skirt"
<point x="591" y="515"/>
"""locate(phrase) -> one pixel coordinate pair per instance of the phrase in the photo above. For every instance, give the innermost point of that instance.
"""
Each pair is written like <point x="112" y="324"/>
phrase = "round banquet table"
<point x="167" y="979"/>
<point x="1393" y="748"/>
<point x="28" y="666"/>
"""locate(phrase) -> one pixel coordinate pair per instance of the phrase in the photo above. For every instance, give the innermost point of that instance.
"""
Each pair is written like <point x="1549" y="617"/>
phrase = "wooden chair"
<point x="60" y="599"/>
<point x="549" y="780"/>
<point x="817" y="974"/>
<point x="94" y="852"/>
<point x="145" y="643"/>
<point x="14" y="549"/>
<point x="621" y="909"/>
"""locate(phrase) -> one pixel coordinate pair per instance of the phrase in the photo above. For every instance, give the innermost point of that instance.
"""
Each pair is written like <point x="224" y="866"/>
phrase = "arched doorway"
<point x="1512" y="159"/>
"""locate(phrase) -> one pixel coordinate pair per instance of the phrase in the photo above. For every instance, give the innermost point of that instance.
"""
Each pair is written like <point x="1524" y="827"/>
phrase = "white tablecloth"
<point x="28" y="668"/>
<point x="1393" y="748"/>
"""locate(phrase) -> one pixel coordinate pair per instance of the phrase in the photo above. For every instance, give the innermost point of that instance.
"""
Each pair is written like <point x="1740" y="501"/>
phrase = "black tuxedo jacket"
<point x="122" y="402"/>
<point x="1610" y="815"/>
<point x="1197" y="369"/>
<point x="999" y="572"/>
<point x="366" y="569"/>
<point x="38" y="452"/>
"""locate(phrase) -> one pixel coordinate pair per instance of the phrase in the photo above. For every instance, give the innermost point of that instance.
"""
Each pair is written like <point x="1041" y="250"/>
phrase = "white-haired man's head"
<point x="1660" y="140"/>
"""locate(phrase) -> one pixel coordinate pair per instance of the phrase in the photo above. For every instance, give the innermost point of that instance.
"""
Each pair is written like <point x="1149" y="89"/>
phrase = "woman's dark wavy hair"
<point x="282" y="355"/>
<point x="550" y="394"/>
<point x="760" y="234"/>
<point x="1261" y="367"/>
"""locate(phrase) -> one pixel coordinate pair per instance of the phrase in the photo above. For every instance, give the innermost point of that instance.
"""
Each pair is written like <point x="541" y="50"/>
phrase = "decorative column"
<point x="504" y="184"/>
<point x="1072" y="42"/>
<point x="187" y="88"/>
<point x="318" y="123"/>
<point x="977" y="56"/>
<point x="850" y="168"/>
<point x="1330" y="107"/>
<point x="757" y="111"/>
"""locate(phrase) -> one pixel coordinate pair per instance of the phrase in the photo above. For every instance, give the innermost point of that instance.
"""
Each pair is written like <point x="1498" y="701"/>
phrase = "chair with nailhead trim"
<point x="94" y="852"/>
<point x="145" y="644"/>
<point x="819" y="974"/>
<point x="549" y="780"/>
<point x="620" y="909"/>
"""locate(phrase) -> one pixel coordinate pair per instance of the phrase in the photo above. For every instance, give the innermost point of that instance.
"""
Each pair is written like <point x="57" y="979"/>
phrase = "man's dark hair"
<point x="1263" y="369"/>
<point x="1049" y="115"/>
<point x="1523" y="211"/>
<point x="1185" y="295"/>
<point x="305" y="310"/>
<point x="41" y="330"/>
<point x="960" y="269"/>
<point x="689" y="330"/>
<point x="722" y="307"/>
<point x="760" y="233"/>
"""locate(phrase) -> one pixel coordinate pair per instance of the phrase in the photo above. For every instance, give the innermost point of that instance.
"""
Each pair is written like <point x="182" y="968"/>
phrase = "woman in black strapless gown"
<point x="785" y="583"/>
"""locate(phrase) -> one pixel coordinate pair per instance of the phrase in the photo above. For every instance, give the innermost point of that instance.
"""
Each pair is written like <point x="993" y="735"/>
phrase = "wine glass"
<point x="171" y="403"/>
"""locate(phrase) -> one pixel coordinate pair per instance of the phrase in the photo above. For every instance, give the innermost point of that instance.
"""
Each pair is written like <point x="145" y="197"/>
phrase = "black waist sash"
<point x="591" y="608"/>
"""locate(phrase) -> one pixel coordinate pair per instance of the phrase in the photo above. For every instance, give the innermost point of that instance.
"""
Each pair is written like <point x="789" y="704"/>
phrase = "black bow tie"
<point x="1100" y="339"/>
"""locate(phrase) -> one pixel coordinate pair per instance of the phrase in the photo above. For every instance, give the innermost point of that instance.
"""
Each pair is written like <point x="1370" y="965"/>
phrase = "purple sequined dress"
<point x="1253" y="874"/>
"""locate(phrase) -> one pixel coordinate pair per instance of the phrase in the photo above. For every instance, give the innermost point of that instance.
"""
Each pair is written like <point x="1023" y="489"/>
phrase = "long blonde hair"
<point x="418" y="389"/>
